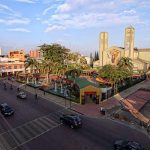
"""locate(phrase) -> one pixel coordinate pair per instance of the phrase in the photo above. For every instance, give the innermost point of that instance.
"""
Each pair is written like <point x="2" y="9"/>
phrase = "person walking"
<point x="18" y="89"/>
<point x="36" y="96"/>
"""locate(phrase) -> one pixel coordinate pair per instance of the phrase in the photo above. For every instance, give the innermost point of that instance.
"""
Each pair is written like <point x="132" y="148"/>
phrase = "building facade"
<point x="10" y="67"/>
<point x="111" y="55"/>
<point x="17" y="54"/>
<point x="35" y="54"/>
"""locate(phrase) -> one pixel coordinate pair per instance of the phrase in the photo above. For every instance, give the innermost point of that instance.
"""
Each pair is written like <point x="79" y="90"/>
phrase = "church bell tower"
<point x="103" y="47"/>
<point x="129" y="42"/>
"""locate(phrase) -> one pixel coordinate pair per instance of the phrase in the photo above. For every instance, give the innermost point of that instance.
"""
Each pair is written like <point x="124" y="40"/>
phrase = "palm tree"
<point x="47" y="66"/>
<point x="125" y="62"/>
<point x="33" y="65"/>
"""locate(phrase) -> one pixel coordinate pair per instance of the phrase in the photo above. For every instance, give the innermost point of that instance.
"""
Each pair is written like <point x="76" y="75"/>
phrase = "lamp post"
<point x="70" y="90"/>
<point x="65" y="94"/>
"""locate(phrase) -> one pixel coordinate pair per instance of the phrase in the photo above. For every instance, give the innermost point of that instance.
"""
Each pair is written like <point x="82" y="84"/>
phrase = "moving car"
<point x="127" y="145"/>
<point x="74" y="121"/>
<point x="6" y="110"/>
<point x="22" y="95"/>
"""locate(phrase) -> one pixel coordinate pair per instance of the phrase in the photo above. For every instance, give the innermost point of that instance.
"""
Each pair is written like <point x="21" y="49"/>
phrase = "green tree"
<point x="125" y="62"/>
<point x="91" y="60"/>
<point x="54" y="52"/>
<point x="97" y="56"/>
<point x="114" y="74"/>
<point x="32" y="63"/>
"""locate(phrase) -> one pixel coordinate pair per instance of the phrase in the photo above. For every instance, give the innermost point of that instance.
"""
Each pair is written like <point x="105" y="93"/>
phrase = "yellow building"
<point x="111" y="55"/>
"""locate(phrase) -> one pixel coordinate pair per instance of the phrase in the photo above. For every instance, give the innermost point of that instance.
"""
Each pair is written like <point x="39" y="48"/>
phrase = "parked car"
<point x="127" y="145"/>
<point x="21" y="95"/>
<point x="6" y="110"/>
<point x="72" y="120"/>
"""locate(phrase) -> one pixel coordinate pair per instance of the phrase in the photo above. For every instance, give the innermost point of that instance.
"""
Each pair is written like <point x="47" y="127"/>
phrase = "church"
<point x="111" y="55"/>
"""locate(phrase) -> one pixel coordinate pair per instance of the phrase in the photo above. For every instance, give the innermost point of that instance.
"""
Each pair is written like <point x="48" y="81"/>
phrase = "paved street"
<point x="35" y="126"/>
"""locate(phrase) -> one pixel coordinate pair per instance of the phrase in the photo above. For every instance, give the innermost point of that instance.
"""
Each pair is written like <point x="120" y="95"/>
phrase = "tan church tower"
<point x="129" y="42"/>
<point x="103" y="46"/>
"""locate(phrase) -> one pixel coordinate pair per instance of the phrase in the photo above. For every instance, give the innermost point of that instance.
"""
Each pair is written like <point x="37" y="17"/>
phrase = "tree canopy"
<point x="54" y="52"/>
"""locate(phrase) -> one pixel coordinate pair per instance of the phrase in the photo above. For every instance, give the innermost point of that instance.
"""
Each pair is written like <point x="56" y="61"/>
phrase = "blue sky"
<point x="75" y="24"/>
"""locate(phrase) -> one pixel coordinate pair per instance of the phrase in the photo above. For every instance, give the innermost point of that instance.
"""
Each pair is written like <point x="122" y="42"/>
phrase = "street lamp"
<point x="70" y="91"/>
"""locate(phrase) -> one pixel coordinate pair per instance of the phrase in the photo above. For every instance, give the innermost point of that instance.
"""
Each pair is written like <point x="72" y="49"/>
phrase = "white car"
<point x="22" y="95"/>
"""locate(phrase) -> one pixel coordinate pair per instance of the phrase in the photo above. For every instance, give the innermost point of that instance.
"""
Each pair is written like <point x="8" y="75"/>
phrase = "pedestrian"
<point x="18" y="89"/>
<point x="36" y="96"/>
<point x="44" y="92"/>
<point x="102" y="110"/>
<point x="148" y="130"/>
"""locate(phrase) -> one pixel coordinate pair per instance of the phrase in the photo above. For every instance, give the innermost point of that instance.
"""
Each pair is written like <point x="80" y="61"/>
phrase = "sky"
<point x="75" y="24"/>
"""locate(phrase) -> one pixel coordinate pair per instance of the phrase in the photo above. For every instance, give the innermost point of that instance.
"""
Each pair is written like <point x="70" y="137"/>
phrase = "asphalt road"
<point x="35" y="126"/>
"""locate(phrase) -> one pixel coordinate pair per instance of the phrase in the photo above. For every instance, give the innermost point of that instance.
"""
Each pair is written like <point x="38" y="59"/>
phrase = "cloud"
<point x="18" y="30"/>
<point x="69" y="5"/>
<point x="129" y="12"/>
<point x="7" y="11"/>
<point x="88" y="20"/>
<point x="49" y="8"/>
<point x="145" y="4"/>
<point x="5" y="7"/>
<point x="64" y="8"/>
<point x="54" y="27"/>
<point x="26" y="1"/>
<point x="15" y="21"/>
<point x="128" y="1"/>
<point x="80" y="14"/>
<point x="60" y="16"/>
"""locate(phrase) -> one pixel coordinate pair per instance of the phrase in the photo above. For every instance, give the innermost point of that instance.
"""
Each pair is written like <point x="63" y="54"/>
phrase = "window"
<point x="9" y="67"/>
<point x="15" y="67"/>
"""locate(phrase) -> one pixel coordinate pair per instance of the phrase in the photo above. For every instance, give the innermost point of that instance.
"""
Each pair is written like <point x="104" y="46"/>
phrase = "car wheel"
<point x="72" y="126"/>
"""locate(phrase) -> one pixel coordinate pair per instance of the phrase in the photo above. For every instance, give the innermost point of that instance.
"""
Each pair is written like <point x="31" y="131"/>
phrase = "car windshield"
<point x="7" y="108"/>
<point x="134" y="144"/>
<point x="21" y="93"/>
<point x="76" y="118"/>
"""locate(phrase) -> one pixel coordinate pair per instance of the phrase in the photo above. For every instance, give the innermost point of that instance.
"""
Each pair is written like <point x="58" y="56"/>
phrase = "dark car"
<point x="127" y="145"/>
<point x="21" y="95"/>
<point x="74" y="121"/>
<point x="6" y="110"/>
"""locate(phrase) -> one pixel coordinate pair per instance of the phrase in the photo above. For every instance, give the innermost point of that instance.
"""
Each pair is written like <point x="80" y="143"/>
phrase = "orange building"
<point x="17" y="54"/>
<point x="35" y="54"/>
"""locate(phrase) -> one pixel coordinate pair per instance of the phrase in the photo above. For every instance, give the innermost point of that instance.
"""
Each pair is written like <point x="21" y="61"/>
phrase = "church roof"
<point x="144" y="49"/>
<point x="144" y="61"/>
<point x="115" y="47"/>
